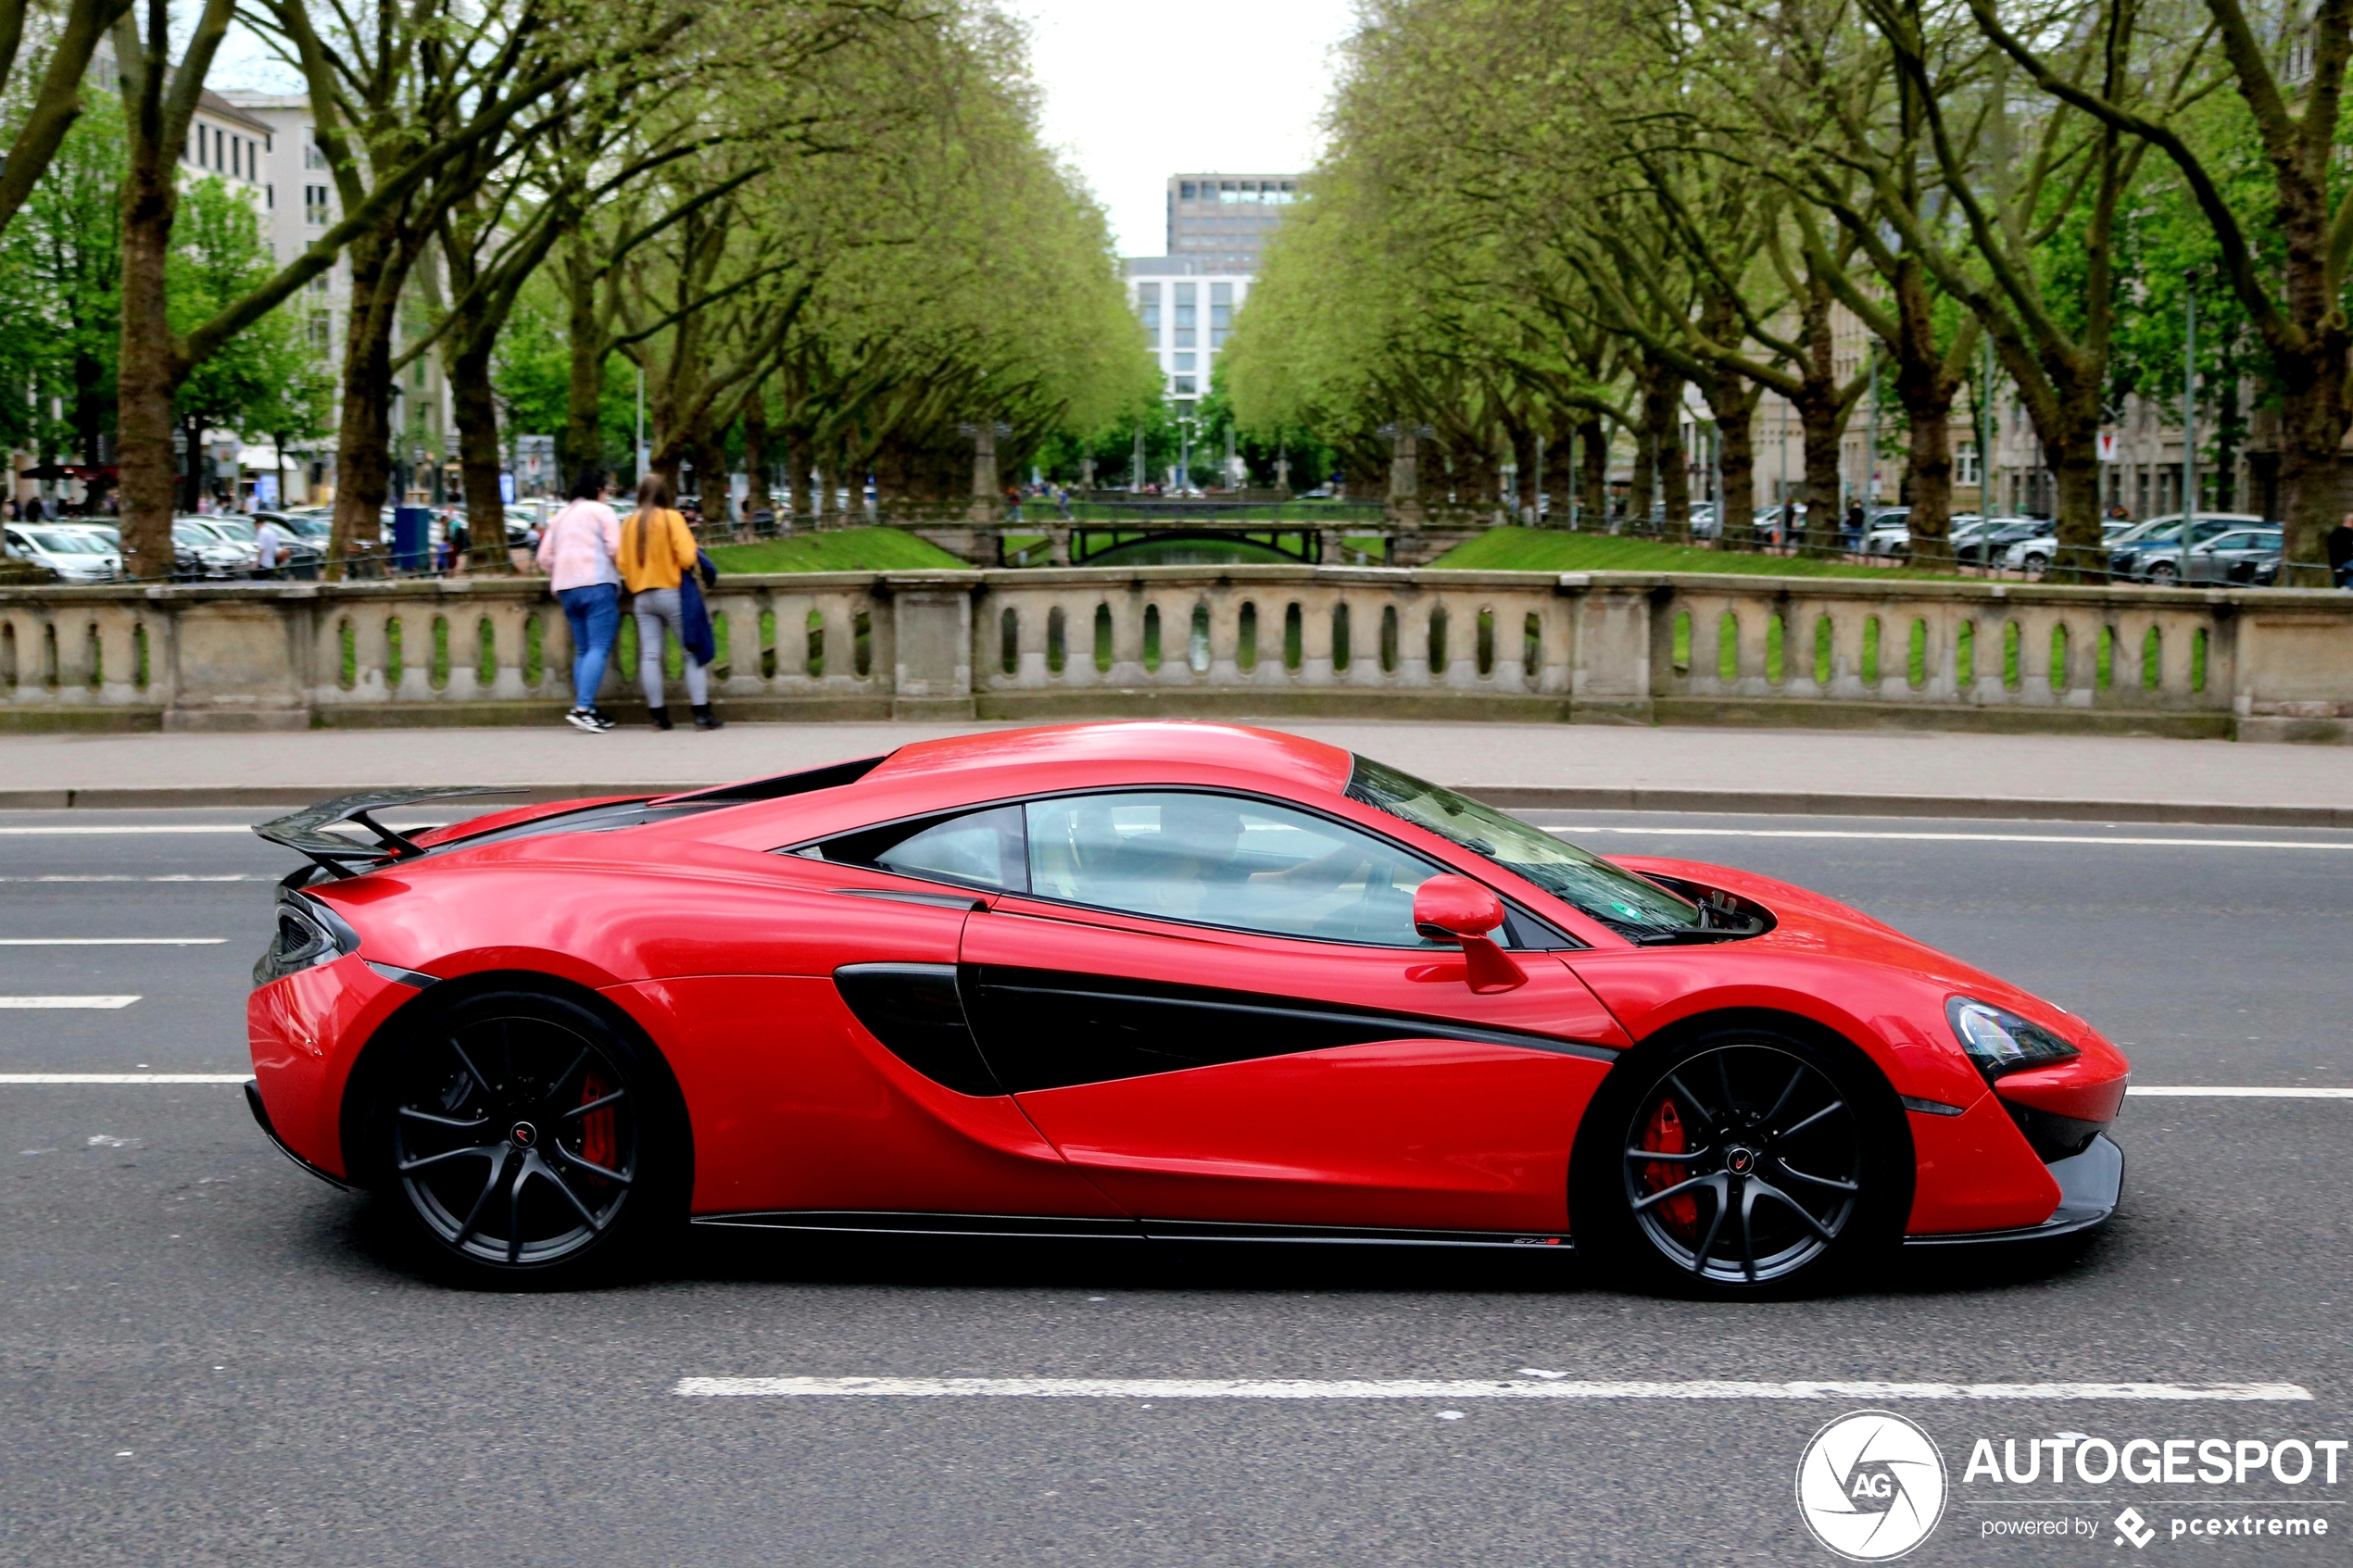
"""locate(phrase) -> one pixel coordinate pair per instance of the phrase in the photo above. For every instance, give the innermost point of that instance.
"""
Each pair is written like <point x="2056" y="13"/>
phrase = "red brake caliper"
<point x="596" y="1140"/>
<point x="1664" y="1133"/>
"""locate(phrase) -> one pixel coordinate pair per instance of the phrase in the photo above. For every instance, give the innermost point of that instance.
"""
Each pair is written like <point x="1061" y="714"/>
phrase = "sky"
<point x="1138" y="91"/>
<point x="1135" y="92"/>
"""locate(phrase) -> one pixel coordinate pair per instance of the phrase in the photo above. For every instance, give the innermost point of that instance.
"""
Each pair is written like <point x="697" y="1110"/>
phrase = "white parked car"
<point x="76" y="556"/>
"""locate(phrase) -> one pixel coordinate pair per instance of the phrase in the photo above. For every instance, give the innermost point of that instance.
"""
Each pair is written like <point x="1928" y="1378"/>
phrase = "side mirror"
<point x="1456" y="909"/>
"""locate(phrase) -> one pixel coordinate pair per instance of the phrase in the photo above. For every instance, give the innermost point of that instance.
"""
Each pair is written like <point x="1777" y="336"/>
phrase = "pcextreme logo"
<point x="1870" y="1486"/>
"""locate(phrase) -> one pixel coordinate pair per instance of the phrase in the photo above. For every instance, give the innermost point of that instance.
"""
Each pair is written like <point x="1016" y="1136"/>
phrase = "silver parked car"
<point x="2247" y="557"/>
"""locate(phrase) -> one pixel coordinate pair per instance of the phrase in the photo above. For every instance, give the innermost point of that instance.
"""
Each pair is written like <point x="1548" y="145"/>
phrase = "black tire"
<point x="2164" y="574"/>
<point x="525" y="1140"/>
<point x="1777" y="1164"/>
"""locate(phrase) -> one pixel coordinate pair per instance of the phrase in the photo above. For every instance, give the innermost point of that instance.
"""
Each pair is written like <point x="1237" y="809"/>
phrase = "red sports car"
<point x="1149" y="980"/>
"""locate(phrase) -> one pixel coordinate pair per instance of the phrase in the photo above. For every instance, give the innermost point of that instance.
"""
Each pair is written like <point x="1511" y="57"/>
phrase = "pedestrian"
<point x="461" y="543"/>
<point x="269" y="548"/>
<point x="32" y="509"/>
<point x="1852" y="527"/>
<point x="1062" y="502"/>
<point x="1012" y="502"/>
<point x="577" y="551"/>
<point x="2340" y="547"/>
<point x="658" y="563"/>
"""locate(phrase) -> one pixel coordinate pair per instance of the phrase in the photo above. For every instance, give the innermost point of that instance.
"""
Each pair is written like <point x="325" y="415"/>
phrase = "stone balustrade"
<point x="1274" y="641"/>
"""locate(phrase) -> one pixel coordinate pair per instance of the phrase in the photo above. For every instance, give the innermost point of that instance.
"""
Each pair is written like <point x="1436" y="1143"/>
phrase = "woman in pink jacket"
<point x="576" y="551"/>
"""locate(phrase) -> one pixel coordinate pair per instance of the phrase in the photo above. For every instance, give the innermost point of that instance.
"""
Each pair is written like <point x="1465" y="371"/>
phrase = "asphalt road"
<point x="205" y="1356"/>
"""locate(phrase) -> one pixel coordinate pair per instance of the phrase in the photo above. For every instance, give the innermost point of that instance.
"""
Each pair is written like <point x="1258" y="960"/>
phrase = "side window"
<point x="1223" y="860"/>
<point x="976" y="850"/>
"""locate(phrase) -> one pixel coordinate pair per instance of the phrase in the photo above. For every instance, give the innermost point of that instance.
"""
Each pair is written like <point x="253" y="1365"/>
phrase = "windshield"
<point x="231" y="528"/>
<point x="1618" y="899"/>
<point x="66" y="544"/>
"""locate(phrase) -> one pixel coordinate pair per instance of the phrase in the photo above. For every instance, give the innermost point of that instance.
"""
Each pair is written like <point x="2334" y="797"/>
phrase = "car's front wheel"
<point x="525" y="1141"/>
<point x="1738" y="1162"/>
<point x="2164" y="574"/>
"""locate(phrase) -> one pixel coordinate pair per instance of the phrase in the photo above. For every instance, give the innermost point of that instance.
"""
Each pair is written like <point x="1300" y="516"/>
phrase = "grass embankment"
<point x="1544" y="549"/>
<point x="852" y="550"/>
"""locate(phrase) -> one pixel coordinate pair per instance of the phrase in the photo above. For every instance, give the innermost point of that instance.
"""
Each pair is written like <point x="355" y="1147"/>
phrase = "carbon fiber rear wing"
<point x="308" y="832"/>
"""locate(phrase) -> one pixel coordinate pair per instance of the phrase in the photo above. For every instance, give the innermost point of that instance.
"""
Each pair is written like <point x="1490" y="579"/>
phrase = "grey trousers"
<point x="656" y="610"/>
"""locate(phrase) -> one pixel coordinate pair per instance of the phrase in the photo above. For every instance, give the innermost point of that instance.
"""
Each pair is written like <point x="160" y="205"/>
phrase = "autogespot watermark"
<point x="1873" y="1485"/>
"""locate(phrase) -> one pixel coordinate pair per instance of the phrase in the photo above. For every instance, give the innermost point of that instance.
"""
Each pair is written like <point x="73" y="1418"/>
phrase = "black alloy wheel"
<point x="1739" y="1163"/>
<point x="523" y="1137"/>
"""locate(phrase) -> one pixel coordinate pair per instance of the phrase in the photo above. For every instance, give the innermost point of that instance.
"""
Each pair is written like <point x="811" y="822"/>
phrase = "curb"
<point x="1511" y="798"/>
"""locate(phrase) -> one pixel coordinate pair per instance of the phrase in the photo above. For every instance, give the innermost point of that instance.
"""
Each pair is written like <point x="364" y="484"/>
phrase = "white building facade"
<point x="1188" y="312"/>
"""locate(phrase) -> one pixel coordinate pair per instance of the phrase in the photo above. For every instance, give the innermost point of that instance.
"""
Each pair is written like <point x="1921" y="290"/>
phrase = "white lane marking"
<point x="66" y="1001"/>
<point x="232" y="876"/>
<point x="2189" y="1091"/>
<point x="1965" y="837"/>
<point x="86" y="829"/>
<point x="125" y="1077"/>
<point x="1447" y="1389"/>
<point x="112" y="941"/>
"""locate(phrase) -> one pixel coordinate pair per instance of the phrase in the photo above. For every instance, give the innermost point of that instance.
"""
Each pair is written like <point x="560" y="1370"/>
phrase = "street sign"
<point x="2107" y="447"/>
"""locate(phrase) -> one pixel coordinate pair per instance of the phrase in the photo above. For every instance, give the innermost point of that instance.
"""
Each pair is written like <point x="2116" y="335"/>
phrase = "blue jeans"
<point x="593" y="614"/>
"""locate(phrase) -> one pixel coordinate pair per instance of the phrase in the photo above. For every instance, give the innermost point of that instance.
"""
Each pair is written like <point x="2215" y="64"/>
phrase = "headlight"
<point x="2002" y="1042"/>
<point x="309" y="933"/>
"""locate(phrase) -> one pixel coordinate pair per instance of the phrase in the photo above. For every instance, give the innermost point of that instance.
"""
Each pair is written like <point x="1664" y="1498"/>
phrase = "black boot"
<point x="660" y="716"/>
<point x="704" y="718"/>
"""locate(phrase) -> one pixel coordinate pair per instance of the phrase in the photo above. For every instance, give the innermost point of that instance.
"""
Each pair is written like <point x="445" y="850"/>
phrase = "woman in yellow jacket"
<point x="656" y="551"/>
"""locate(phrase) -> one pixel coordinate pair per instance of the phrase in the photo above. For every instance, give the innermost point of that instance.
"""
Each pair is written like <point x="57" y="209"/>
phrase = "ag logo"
<point x="1871" y="1486"/>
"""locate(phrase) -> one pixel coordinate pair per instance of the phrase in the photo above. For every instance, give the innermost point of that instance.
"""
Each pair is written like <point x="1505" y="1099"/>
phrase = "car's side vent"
<point x="915" y="1009"/>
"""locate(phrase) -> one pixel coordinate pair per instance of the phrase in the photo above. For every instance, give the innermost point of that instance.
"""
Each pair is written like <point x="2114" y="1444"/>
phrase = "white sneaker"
<point x="585" y="719"/>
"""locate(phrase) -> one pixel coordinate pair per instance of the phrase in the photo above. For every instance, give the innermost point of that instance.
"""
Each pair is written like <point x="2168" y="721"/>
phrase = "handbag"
<point x="695" y="632"/>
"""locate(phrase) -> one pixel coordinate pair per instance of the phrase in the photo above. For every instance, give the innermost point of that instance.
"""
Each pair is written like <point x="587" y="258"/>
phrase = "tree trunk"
<point x="475" y="408"/>
<point x="582" y="441"/>
<point x="797" y="461"/>
<point x="146" y="371"/>
<point x="1639" y="492"/>
<point x="1926" y="388"/>
<point x="1593" y="457"/>
<point x="2312" y="424"/>
<point x="755" y="456"/>
<point x="1663" y="434"/>
<point x="1735" y="460"/>
<point x="1822" y="424"/>
<point x="363" y="446"/>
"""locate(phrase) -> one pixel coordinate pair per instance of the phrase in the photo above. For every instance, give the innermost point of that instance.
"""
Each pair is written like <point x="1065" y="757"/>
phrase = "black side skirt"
<point x="880" y="1224"/>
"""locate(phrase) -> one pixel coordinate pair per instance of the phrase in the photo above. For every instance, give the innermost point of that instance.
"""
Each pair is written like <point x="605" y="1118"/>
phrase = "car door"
<point x="1217" y="1008"/>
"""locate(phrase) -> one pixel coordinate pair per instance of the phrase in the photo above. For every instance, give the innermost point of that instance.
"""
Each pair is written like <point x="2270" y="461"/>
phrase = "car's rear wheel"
<point x="1740" y="1162"/>
<point x="527" y="1142"/>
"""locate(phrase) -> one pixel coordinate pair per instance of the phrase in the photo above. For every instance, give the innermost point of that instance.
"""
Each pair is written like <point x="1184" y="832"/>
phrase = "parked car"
<point x="75" y="557"/>
<point x="2134" y="555"/>
<point x="203" y="551"/>
<point x="2248" y="557"/>
<point x="1986" y="545"/>
<point x="2034" y="556"/>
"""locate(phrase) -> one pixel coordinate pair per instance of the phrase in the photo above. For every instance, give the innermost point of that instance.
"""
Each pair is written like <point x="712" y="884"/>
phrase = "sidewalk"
<point x="1528" y="766"/>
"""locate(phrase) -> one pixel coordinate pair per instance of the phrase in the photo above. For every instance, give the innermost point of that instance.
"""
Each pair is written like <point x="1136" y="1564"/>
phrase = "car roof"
<point x="1177" y="743"/>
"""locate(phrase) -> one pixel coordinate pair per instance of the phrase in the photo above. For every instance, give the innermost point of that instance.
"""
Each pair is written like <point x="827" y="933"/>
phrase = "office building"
<point x="1188" y="311"/>
<point x="1222" y="221"/>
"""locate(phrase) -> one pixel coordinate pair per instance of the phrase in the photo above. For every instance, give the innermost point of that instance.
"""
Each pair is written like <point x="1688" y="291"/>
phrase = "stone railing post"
<point x="239" y="659"/>
<point x="931" y="618"/>
<point x="1612" y="646"/>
